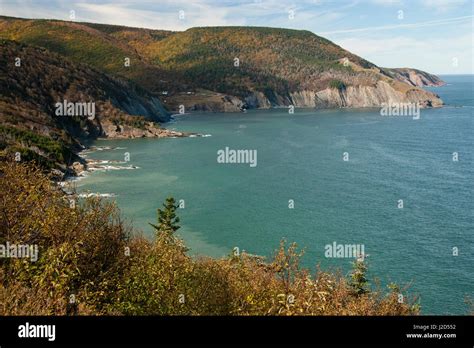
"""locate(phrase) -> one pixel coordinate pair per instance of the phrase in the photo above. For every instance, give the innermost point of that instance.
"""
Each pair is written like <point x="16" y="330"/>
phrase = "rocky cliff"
<point x="386" y="90"/>
<point x="135" y="77"/>
<point x="31" y="88"/>
<point x="414" y="77"/>
<point x="227" y="68"/>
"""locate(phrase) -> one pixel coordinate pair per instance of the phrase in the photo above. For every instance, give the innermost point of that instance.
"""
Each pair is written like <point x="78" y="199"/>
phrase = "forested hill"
<point x="33" y="80"/>
<point x="225" y="68"/>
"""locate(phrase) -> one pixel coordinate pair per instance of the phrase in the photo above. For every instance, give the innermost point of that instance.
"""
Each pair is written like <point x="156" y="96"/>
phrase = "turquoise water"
<point x="300" y="157"/>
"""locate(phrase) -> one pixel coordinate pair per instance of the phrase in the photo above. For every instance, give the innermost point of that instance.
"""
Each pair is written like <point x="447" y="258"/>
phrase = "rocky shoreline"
<point x="148" y="130"/>
<point x="84" y="165"/>
<point x="376" y="87"/>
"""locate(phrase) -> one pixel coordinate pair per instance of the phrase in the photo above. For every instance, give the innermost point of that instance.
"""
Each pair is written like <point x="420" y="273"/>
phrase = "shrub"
<point x="337" y="84"/>
<point x="90" y="264"/>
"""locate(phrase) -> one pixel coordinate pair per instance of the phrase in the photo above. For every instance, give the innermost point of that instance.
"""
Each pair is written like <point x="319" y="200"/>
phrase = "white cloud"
<point x="164" y="16"/>
<point x="443" y="5"/>
<point x="432" y="23"/>
<point x="387" y="2"/>
<point x="195" y="14"/>
<point x="400" y="44"/>
<point x="433" y="55"/>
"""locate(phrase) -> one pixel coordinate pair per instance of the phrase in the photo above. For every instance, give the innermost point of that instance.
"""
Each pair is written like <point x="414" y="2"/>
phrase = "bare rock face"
<point x="424" y="98"/>
<point x="358" y="96"/>
<point x="414" y="77"/>
<point x="149" y="130"/>
<point x="258" y="100"/>
<point x="359" y="93"/>
<point x="304" y="99"/>
<point x="78" y="167"/>
<point x="375" y="96"/>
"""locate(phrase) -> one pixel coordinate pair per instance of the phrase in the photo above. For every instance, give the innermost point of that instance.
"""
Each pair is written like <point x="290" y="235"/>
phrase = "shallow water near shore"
<point x="300" y="158"/>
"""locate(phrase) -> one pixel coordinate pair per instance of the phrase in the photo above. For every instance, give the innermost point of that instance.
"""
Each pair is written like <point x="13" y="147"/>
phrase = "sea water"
<point x="323" y="177"/>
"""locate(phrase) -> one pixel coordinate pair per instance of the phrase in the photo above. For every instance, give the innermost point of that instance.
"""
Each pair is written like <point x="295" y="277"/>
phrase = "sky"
<point x="432" y="35"/>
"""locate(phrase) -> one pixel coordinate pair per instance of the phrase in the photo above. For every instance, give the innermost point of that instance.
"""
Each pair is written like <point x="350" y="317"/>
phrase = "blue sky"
<point x="432" y="35"/>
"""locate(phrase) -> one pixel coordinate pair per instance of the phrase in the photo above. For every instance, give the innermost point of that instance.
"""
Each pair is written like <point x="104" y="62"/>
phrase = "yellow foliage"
<point x="83" y="268"/>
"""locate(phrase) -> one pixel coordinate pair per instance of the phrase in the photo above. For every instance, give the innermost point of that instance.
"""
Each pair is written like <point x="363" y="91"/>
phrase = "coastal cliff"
<point x="136" y="78"/>
<point x="227" y="69"/>
<point x="353" y="96"/>
<point x="415" y="77"/>
<point x="31" y="91"/>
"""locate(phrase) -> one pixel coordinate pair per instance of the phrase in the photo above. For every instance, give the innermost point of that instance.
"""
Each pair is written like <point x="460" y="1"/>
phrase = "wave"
<point x="71" y="179"/>
<point x="199" y="136"/>
<point x="102" y="148"/>
<point x="92" y="194"/>
<point x="98" y="162"/>
<point x="179" y="114"/>
<point x="108" y="167"/>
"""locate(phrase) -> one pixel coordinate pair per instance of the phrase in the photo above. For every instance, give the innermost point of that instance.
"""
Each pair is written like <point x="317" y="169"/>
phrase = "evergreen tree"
<point x="168" y="225"/>
<point x="167" y="219"/>
<point x="359" y="280"/>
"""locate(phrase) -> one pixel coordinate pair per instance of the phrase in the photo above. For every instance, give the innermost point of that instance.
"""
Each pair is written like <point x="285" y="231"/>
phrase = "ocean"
<point x="400" y="187"/>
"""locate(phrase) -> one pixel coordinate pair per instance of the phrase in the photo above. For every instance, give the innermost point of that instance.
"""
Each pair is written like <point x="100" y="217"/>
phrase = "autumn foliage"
<point x="91" y="263"/>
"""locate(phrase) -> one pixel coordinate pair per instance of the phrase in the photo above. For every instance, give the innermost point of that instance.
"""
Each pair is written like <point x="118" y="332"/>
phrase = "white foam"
<point x="107" y="167"/>
<point x="92" y="194"/>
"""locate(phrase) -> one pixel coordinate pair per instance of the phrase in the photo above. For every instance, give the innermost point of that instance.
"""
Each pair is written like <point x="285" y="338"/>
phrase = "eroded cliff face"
<point x="414" y="77"/>
<point x="149" y="106"/>
<point x="365" y="96"/>
<point x="147" y="130"/>
<point x="351" y="97"/>
<point x="360" y="94"/>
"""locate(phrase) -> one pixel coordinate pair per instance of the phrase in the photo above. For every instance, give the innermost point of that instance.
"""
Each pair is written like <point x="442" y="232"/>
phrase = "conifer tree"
<point x="168" y="225"/>
<point x="359" y="280"/>
<point x="167" y="219"/>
